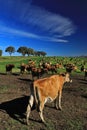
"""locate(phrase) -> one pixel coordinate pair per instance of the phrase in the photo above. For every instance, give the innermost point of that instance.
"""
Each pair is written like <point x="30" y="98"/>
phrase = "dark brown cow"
<point x="9" y="68"/>
<point x="46" y="90"/>
<point x="49" y="67"/>
<point x="82" y="68"/>
<point x="38" y="72"/>
<point x="70" y="67"/>
<point x="26" y="67"/>
<point x="23" y="68"/>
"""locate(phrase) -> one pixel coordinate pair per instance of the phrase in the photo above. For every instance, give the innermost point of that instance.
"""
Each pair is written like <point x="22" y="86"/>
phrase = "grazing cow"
<point x="26" y="67"/>
<point x="82" y="68"/>
<point x="23" y="68"/>
<point x="49" y="67"/>
<point x="46" y="90"/>
<point x="85" y="71"/>
<point x="38" y="72"/>
<point x="52" y="69"/>
<point x="70" y="68"/>
<point x="9" y="68"/>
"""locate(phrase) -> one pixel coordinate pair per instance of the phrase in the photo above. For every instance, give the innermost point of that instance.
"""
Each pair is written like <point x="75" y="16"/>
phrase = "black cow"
<point x="9" y="68"/>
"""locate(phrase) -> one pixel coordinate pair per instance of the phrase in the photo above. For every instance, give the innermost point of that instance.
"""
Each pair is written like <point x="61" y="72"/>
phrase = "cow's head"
<point x="67" y="77"/>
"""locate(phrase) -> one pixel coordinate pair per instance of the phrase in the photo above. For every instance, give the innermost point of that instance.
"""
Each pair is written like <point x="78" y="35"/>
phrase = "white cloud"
<point x="47" y="21"/>
<point x="52" y="26"/>
<point x="7" y="30"/>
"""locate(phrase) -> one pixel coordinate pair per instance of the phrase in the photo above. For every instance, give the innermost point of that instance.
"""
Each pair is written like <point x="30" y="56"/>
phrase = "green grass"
<point x="50" y="125"/>
<point x="5" y="88"/>
<point x="74" y="125"/>
<point x="12" y="60"/>
<point x="17" y="60"/>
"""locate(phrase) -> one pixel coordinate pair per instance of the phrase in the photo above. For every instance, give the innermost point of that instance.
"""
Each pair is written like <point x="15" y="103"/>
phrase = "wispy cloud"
<point x="53" y="26"/>
<point x="11" y="31"/>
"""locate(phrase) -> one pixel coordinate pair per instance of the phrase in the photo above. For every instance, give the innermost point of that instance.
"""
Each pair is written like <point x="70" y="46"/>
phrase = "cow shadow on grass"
<point x="16" y="108"/>
<point x="3" y="73"/>
<point x="24" y="79"/>
<point x="84" y="95"/>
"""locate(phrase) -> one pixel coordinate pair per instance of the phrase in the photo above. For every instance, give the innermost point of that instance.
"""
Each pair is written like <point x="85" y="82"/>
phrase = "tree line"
<point x="23" y="50"/>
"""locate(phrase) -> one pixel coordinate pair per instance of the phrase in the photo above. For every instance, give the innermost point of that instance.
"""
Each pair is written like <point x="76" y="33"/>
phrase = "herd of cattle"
<point x="44" y="68"/>
<point x="46" y="89"/>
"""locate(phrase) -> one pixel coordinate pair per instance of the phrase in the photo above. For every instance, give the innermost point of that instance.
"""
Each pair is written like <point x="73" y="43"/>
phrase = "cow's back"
<point x="49" y="87"/>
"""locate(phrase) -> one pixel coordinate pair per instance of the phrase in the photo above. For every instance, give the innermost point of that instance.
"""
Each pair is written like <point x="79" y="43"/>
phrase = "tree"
<point x="0" y="52"/>
<point x="43" y="53"/>
<point x="35" y="53"/>
<point x="40" y="53"/>
<point x="30" y="51"/>
<point x="22" y="50"/>
<point x="10" y="50"/>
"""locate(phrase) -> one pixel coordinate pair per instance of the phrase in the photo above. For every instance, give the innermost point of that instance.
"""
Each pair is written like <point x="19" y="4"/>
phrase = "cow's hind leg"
<point x="31" y="102"/>
<point x="56" y="102"/>
<point x="41" y="107"/>
<point x="60" y="95"/>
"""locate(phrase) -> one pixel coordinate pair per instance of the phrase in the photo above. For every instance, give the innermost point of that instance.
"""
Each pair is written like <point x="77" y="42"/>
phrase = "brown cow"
<point x="38" y="72"/>
<point x="46" y="90"/>
<point x="9" y="68"/>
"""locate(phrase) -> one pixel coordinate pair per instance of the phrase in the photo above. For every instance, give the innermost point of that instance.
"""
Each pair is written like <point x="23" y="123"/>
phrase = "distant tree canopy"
<point x="40" y="53"/>
<point x="10" y="50"/>
<point x="22" y="50"/>
<point x="25" y="51"/>
<point x="29" y="51"/>
<point x="0" y="52"/>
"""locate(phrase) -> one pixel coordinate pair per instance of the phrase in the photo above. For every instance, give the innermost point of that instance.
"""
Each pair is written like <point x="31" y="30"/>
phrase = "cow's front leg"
<point x="31" y="102"/>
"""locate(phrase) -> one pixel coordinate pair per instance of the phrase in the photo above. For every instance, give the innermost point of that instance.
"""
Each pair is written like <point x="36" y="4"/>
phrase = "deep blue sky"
<point x="58" y="27"/>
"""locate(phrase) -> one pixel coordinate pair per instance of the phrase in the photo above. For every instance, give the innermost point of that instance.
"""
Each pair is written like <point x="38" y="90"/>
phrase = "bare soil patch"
<point x="14" y="95"/>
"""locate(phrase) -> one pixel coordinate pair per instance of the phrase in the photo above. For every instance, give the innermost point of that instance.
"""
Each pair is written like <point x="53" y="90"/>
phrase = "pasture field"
<point x="14" y="95"/>
<point x="17" y="60"/>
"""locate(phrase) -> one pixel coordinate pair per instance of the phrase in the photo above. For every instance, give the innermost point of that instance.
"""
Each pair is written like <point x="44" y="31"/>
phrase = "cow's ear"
<point x="63" y="74"/>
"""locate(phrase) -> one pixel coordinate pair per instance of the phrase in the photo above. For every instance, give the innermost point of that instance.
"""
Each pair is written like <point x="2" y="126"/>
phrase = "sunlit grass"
<point x="17" y="60"/>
